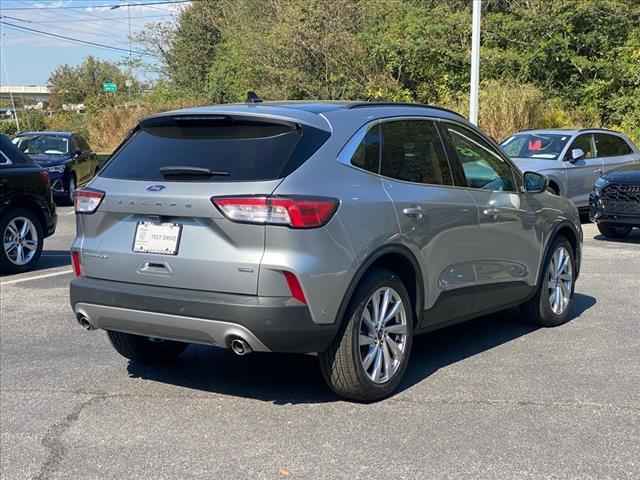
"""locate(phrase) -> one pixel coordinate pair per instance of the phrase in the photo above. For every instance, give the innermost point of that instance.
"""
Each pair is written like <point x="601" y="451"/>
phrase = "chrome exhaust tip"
<point x="83" y="320"/>
<point x="240" y="347"/>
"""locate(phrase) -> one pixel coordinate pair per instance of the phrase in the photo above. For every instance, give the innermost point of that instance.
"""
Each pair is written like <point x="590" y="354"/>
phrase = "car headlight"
<point x="56" y="169"/>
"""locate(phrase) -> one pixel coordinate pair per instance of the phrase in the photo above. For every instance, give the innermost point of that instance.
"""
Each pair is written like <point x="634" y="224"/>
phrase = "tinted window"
<point x="82" y="143"/>
<point x="412" y="151"/>
<point x="543" y="146"/>
<point x="246" y="150"/>
<point x="482" y="167"/>
<point x="367" y="156"/>
<point x="611" y="145"/>
<point x="584" y="142"/>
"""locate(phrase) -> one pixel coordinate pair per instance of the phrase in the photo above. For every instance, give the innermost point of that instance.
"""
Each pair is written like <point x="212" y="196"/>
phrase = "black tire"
<point x="144" y="350"/>
<point x="611" y="230"/>
<point x="538" y="310"/>
<point x="6" y="265"/>
<point x="341" y="364"/>
<point x="69" y="192"/>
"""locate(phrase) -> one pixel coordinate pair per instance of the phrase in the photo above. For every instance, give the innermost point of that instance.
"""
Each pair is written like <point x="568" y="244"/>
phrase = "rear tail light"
<point x="88" y="201"/>
<point x="44" y="175"/>
<point x="75" y="262"/>
<point x="294" y="287"/>
<point x="294" y="212"/>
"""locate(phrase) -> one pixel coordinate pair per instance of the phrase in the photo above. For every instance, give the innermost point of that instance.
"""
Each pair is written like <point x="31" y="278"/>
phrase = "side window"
<point x="367" y="156"/>
<point x="611" y="145"/>
<point x="482" y="168"/>
<point x="584" y="142"/>
<point x="412" y="151"/>
<point x="82" y="144"/>
<point x="4" y="160"/>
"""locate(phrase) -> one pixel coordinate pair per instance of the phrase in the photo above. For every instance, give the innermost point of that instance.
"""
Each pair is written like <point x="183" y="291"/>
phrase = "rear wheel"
<point x="145" y="349"/>
<point x="71" y="190"/>
<point x="552" y="303"/>
<point x="611" y="230"/>
<point x="22" y="239"/>
<point x="368" y="359"/>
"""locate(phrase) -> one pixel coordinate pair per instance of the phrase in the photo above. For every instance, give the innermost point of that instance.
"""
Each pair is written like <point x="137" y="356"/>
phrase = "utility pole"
<point x="475" y="62"/>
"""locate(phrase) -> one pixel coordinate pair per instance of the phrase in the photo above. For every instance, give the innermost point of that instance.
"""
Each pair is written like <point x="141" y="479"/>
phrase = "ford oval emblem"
<point x="155" y="188"/>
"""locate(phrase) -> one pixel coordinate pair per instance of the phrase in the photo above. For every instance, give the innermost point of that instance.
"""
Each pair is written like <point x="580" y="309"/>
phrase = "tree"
<point x="83" y="83"/>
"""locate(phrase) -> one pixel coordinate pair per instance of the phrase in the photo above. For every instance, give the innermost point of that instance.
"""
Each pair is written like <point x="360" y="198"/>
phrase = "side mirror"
<point x="535" y="182"/>
<point x="576" y="154"/>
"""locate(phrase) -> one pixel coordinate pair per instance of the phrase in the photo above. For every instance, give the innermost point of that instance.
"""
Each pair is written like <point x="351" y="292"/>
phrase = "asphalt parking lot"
<point x="490" y="399"/>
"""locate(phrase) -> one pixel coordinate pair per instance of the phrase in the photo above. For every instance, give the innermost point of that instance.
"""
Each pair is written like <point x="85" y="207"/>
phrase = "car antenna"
<point x="252" y="97"/>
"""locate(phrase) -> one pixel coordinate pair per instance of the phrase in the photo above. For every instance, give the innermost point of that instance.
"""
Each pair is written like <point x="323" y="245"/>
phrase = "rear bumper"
<point x="276" y="324"/>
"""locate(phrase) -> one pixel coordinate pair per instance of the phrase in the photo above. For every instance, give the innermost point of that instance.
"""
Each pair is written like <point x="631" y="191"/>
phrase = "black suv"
<point x="615" y="201"/>
<point x="66" y="156"/>
<point x="27" y="210"/>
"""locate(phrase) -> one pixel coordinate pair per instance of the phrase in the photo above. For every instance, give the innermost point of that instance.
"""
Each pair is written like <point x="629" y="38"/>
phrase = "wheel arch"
<point x="26" y="202"/>
<point x="567" y="230"/>
<point x="398" y="259"/>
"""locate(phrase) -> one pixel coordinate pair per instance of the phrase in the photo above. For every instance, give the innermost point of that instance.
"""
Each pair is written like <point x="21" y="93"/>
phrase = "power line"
<point x="76" y="40"/>
<point x="76" y="7"/>
<point x="84" y="20"/>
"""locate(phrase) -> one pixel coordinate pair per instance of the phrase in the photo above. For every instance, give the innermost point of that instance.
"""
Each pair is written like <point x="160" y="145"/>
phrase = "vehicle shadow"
<point x="53" y="259"/>
<point x="632" y="239"/>
<point x="296" y="379"/>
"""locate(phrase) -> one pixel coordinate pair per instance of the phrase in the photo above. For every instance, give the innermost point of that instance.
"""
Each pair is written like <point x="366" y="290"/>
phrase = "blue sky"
<point x="29" y="59"/>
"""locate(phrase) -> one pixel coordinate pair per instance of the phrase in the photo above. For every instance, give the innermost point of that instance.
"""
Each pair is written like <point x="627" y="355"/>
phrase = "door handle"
<point x="414" y="212"/>
<point x="491" y="212"/>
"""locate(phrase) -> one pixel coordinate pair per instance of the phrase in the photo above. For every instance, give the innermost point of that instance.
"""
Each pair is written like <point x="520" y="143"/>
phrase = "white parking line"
<point x="36" y="277"/>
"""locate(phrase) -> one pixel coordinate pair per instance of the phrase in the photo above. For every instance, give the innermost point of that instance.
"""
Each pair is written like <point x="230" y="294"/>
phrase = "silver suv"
<point x="342" y="229"/>
<point x="572" y="159"/>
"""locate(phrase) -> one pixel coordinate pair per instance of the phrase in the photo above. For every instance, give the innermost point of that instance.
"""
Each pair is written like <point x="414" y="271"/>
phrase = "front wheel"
<point x="552" y="303"/>
<point x="368" y="359"/>
<point x="145" y="349"/>
<point x="610" y="230"/>
<point x="71" y="190"/>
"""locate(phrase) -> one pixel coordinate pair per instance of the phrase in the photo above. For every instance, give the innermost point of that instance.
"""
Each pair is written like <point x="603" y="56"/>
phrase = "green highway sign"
<point x="109" y="87"/>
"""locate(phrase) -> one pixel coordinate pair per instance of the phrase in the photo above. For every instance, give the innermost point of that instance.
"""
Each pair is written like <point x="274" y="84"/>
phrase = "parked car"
<point x="27" y="210"/>
<point x="571" y="159"/>
<point x="66" y="156"/>
<point x="338" y="228"/>
<point x="615" y="202"/>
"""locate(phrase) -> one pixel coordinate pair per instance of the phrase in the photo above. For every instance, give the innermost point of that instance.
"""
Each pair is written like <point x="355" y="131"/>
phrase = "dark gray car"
<point x="571" y="159"/>
<point x="343" y="229"/>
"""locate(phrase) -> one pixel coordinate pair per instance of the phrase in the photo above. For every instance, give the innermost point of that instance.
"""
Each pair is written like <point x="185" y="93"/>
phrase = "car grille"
<point x="624" y="199"/>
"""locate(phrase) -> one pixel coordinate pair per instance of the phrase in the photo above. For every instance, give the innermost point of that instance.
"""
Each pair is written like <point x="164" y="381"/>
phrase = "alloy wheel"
<point x="560" y="280"/>
<point x="20" y="241"/>
<point x="382" y="338"/>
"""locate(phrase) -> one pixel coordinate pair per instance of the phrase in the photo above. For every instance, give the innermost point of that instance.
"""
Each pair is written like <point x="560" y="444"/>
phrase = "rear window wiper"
<point x="191" y="172"/>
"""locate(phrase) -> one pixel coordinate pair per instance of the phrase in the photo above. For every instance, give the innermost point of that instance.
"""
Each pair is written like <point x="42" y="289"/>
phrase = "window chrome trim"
<point x="7" y="160"/>
<point x="349" y="149"/>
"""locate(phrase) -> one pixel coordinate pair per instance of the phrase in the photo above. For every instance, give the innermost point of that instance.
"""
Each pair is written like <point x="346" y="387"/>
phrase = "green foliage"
<point x="83" y="84"/>
<point x="8" y="127"/>
<point x="544" y="63"/>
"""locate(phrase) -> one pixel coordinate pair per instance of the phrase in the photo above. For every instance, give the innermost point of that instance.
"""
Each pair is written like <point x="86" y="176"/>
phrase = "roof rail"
<point x="398" y="104"/>
<point x="598" y="129"/>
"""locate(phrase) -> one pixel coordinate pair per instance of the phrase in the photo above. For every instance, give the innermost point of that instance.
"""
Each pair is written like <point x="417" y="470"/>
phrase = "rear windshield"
<point x="235" y="149"/>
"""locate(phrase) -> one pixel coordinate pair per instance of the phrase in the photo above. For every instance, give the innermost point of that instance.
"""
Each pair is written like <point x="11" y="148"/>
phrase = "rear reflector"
<point x="294" y="287"/>
<point x="88" y="201"/>
<point x="75" y="262"/>
<point x="295" y="212"/>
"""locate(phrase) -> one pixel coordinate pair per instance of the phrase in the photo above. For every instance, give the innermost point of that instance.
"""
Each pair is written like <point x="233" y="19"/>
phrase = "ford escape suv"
<point x="342" y="229"/>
